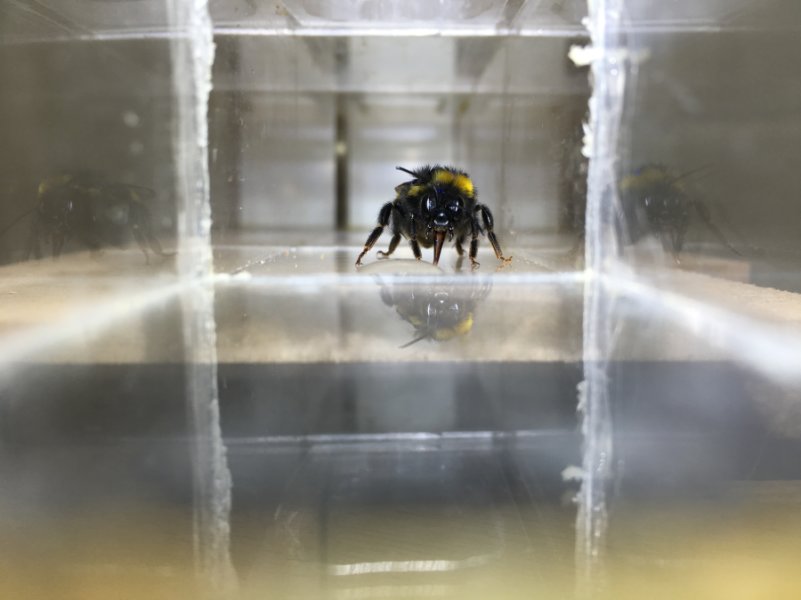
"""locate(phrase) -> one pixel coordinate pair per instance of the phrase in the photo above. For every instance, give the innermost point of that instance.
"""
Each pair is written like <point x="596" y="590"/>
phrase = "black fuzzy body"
<point x="410" y="213"/>
<point x="439" y="204"/>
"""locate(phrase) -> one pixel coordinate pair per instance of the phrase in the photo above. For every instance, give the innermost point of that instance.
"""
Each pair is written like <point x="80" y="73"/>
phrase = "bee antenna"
<point x="405" y="170"/>
<point x="414" y="341"/>
<point x="17" y="220"/>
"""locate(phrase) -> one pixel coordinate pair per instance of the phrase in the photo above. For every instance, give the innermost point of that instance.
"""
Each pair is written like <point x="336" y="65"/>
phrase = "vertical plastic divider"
<point x="192" y="52"/>
<point x="607" y="57"/>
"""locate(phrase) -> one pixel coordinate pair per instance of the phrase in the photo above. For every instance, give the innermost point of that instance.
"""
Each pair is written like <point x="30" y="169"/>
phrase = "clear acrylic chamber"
<point x="202" y="395"/>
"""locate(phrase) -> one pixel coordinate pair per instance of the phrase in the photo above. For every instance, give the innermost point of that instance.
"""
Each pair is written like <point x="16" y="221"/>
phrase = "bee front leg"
<point x="489" y="225"/>
<point x="672" y="241"/>
<point x="141" y="242"/>
<point x="383" y="221"/>
<point x="474" y="245"/>
<point x="473" y="252"/>
<point x="416" y="249"/>
<point x="413" y="238"/>
<point x="460" y="252"/>
<point x="459" y="242"/>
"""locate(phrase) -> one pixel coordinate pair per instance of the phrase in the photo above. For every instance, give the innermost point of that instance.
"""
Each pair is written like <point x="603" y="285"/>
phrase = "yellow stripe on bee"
<point x="443" y="177"/>
<point x="466" y="325"/>
<point x="646" y="178"/>
<point x="461" y="182"/>
<point x="414" y="190"/>
<point x="444" y="334"/>
<point x="461" y="328"/>
<point x="464" y="184"/>
<point x="52" y="182"/>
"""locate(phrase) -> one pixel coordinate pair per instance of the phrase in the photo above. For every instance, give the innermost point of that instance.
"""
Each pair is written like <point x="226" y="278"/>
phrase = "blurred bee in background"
<point x="437" y="312"/>
<point x="95" y="213"/>
<point x="654" y="200"/>
<point x="439" y="202"/>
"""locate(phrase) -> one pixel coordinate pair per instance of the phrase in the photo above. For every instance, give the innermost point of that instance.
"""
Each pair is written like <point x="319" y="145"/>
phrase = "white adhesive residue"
<point x="583" y="56"/>
<point x="572" y="473"/>
<point x="608" y="58"/>
<point x="193" y="56"/>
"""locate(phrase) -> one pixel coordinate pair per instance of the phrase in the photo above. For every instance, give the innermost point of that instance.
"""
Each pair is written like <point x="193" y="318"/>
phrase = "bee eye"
<point x="430" y="204"/>
<point x="455" y="208"/>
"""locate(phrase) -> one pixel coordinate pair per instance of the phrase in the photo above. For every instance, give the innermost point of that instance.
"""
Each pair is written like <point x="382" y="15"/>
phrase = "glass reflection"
<point x="93" y="212"/>
<point x="655" y="201"/>
<point x="436" y="312"/>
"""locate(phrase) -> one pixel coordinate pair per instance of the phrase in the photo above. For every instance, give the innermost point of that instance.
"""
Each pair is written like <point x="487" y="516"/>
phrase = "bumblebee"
<point x="654" y="200"/>
<point x="439" y="202"/>
<point x="438" y="313"/>
<point x="94" y="213"/>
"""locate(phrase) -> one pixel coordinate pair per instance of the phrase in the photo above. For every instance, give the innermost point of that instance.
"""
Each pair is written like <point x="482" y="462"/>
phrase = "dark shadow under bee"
<point x="440" y="202"/>
<point x="92" y="212"/>
<point x="438" y="312"/>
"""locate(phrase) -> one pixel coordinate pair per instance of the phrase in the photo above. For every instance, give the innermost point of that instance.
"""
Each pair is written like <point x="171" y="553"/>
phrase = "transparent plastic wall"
<point x="202" y="395"/>
<point x="692" y="344"/>
<point x="114" y="483"/>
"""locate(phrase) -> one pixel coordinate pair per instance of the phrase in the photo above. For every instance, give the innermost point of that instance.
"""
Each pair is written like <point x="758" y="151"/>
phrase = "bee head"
<point x="442" y="209"/>
<point x="442" y="193"/>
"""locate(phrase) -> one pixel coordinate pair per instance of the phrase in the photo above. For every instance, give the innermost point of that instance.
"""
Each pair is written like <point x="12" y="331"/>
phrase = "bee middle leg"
<point x="396" y="232"/>
<point x="393" y="243"/>
<point x="383" y="221"/>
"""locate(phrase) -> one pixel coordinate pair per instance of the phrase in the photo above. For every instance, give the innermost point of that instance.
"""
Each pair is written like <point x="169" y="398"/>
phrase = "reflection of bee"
<point x="654" y="200"/>
<point x="438" y="202"/>
<point x="94" y="213"/>
<point x="437" y="312"/>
